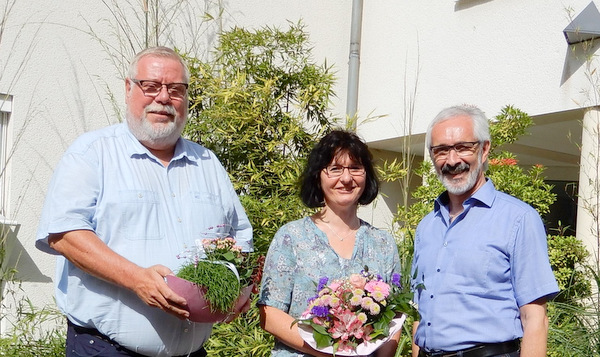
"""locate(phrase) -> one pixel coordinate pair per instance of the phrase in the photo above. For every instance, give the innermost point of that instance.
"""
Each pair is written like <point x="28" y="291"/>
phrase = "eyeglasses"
<point x="463" y="149"/>
<point x="152" y="88"/>
<point x="338" y="170"/>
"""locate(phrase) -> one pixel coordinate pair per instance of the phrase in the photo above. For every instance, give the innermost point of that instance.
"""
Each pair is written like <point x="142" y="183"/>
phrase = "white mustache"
<point x="157" y="108"/>
<point x="453" y="170"/>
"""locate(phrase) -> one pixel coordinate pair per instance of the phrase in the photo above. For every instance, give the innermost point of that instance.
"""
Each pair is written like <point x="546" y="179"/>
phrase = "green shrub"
<point x="572" y="331"/>
<point x="260" y="104"/>
<point x="242" y="337"/>
<point x="567" y="257"/>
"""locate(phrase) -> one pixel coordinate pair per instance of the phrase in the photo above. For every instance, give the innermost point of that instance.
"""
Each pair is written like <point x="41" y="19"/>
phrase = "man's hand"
<point x="84" y="249"/>
<point x="151" y="288"/>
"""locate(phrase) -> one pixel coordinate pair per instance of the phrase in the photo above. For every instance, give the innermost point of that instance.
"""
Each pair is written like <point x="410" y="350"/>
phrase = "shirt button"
<point x="185" y="330"/>
<point x="429" y="324"/>
<point x="172" y="195"/>
<point x="179" y="220"/>
<point x="438" y="270"/>
<point x="140" y="195"/>
<point x="431" y="296"/>
<point x="445" y="244"/>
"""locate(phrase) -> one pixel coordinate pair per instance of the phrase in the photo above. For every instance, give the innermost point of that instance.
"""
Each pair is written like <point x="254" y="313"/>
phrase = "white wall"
<point x="487" y="53"/>
<point x="56" y="75"/>
<point x="327" y="22"/>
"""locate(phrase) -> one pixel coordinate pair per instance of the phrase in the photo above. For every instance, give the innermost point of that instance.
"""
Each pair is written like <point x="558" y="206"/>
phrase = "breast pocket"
<point x="140" y="217"/>
<point x="209" y="216"/>
<point x="469" y="270"/>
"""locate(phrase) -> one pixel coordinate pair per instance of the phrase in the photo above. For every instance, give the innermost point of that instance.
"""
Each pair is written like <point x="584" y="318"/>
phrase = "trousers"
<point x="86" y="342"/>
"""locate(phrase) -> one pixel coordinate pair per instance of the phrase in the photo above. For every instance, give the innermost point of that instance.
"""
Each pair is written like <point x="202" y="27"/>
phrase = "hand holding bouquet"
<point x="355" y="315"/>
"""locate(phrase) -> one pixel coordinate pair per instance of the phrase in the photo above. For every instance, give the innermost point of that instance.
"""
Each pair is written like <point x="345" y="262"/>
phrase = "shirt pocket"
<point x="469" y="271"/>
<point x="209" y="216"/>
<point x="140" y="215"/>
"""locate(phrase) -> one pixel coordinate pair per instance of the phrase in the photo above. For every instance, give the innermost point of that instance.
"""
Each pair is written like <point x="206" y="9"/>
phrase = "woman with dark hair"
<point x="333" y="242"/>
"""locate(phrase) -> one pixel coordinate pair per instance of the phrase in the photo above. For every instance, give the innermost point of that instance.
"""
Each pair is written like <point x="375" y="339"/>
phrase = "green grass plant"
<point x="29" y="335"/>
<point x="219" y="283"/>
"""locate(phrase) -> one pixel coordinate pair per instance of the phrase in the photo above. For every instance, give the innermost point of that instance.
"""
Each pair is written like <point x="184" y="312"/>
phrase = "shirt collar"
<point x="484" y="195"/>
<point x="135" y="148"/>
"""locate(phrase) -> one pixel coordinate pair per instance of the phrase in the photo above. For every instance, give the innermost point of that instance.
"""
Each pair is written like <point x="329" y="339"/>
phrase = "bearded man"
<point x="123" y="203"/>
<point x="481" y="270"/>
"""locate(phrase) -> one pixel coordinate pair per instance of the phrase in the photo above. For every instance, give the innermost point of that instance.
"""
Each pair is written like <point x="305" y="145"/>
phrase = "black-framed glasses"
<point x="153" y="88"/>
<point x="462" y="149"/>
<point x="338" y="170"/>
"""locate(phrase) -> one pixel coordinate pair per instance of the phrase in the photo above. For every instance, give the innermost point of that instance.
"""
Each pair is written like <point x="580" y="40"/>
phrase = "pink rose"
<point x="334" y="285"/>
<point x="358" y="281"/>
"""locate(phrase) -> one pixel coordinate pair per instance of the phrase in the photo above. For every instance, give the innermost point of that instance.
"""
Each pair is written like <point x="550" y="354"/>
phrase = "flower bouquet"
<point x="218" y="277"/>
<point x="354" y="316"/>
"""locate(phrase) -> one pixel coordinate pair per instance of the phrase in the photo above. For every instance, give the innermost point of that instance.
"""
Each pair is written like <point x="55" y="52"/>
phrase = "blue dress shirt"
<point x="108" y="183"/>
<point x="479" y="270"/>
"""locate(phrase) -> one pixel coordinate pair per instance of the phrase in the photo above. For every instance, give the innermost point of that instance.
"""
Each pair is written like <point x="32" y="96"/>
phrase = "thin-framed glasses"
<point x="338" y="170"/>
<point x="462" y="149"/>
<point x="153" y="88"/>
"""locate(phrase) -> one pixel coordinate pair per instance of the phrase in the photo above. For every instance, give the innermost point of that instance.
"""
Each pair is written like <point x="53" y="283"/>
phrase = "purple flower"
<point x="319" y="311"/>
<point x="396" y="280"/>
<point x="322" y="282"/>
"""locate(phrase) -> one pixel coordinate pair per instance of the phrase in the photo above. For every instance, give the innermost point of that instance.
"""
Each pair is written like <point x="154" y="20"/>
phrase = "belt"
<point x="482" y="350"/>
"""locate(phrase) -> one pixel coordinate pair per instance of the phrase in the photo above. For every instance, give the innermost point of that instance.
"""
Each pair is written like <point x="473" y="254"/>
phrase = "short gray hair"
<point x="481" y="127"/>
<point x="160" y="51"/>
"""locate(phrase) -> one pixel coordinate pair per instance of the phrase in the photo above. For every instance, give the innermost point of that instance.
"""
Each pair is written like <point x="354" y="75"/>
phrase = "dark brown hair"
<point x="331" y="145"/>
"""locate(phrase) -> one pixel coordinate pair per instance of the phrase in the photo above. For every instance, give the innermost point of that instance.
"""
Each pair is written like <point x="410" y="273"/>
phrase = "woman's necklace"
<point x="353" y="231"/>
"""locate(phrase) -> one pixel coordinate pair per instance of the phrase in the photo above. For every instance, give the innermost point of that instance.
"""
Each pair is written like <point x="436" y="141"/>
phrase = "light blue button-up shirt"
<point x="300" y="254"/>
<point x="479" y="270"/>
<point x="109" y="183"/>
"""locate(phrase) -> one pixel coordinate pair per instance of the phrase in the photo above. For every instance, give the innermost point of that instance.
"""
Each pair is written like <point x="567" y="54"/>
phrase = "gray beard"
<point x="456" y="188"/>
<point x="157" y="135"/>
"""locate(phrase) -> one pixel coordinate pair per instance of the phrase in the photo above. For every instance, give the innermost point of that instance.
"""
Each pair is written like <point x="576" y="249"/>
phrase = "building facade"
<point x="62" y="65"/>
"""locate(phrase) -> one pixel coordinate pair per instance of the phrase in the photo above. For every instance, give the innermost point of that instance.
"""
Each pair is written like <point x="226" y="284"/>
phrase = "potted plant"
<point x="217" y="278"/>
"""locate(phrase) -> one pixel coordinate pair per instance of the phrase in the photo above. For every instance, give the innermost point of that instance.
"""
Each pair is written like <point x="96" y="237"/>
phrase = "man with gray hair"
<point x="123" y="203"/>
<point x="481" y="267"/>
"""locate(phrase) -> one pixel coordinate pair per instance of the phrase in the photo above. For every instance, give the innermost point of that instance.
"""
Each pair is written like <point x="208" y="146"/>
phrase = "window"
<point x="5" y="111"/>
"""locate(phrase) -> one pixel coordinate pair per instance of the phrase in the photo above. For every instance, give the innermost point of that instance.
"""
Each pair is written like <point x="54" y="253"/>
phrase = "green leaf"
<point x="321" y="336"/>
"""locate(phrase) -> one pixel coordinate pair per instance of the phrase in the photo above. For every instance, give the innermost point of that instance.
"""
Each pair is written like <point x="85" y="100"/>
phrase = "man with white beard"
<point x="123" y="203"/>
<point x="481" y="270"/>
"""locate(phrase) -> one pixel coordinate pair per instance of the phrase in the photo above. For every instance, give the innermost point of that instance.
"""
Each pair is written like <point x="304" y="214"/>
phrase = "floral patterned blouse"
<point x="300" y="254"/>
